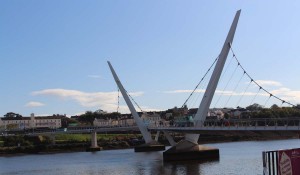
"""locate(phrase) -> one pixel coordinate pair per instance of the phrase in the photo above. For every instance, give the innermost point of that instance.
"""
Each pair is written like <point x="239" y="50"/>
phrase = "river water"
<point x="235" y="158"/>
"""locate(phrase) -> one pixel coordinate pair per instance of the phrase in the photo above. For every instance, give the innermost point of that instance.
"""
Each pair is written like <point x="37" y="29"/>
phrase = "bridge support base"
<point x="52" y="138"/>
<point x="186" y="151"/>
<point x="94" y="144"/>
<point x="147" y="147"/>
<point x="93" y="149"/>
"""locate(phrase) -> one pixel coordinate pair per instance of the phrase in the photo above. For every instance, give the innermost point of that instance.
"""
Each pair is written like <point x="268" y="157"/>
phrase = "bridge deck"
<point x="225" y="128"/>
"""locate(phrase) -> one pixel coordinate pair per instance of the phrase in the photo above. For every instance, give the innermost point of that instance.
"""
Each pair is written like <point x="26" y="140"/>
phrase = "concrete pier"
<point x="52" y="138"/>
<point x="148" y="147"/>
<point x="189" y="149"/>
<point x="186" y="150"/>
<point x="94" y="144"/>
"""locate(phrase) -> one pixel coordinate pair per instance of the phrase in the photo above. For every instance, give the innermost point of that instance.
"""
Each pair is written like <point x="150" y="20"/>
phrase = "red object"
<point x="289" y="162"/>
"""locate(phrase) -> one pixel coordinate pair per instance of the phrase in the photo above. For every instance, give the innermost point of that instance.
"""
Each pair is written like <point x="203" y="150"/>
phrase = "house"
<point x="239" y="113"/>
<point x="126" y="122"/>
<point x="102" y="122"/>
<point x="215" y="113"/>
<point x="152" y="118"/>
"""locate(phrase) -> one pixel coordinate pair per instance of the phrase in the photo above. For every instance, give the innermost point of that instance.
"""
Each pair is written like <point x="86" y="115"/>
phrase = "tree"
<point x="12" y="115"/>
<point x="297" y="106"/>
<point x="274" y="106"/>
<point x="226" y="116"/>
<point x="113" y="115"/>
<point x="87" y="118"/>
<point x="254" y="107"/>
<point x="65" y="121"/>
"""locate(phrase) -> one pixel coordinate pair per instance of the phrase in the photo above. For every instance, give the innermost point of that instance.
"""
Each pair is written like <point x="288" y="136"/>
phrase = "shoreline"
<point x="81" y="147"/>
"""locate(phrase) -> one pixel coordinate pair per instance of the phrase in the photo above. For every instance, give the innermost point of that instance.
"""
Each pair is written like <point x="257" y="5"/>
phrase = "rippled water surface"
<point x="235" y="158"/>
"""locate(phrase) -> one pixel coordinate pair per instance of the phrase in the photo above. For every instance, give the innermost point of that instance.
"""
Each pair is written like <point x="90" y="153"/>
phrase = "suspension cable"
<point x="267" y="100"/>
<point x="244" y="93"/>
<point x="261" y="88"/>
<point x="226" y="68"/>
<point x="200" y="82"/>
<point x="118" y="100"/>
<point x="134" y="101"/>
<point x="221" y="78"/>
<point x="193" y="102"/>
<point x="255" y="96"/>
<point x="234" y="89"/>
<point x="226" y="84"/>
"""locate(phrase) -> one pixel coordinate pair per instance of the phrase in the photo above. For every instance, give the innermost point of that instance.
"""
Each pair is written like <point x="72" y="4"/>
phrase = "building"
<point x="151" y="118"/>
<point x="239" y="113"/>
<point x="126" y="122"/>
<point x="114" y="123"/>
<point x="102" y="122"/>
<point x="2" y="127"/>
<point x="215" y="113"/>
<point x="31" y="122"/>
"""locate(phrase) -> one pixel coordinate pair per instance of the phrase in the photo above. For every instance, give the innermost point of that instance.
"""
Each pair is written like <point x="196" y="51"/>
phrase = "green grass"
<point x="1" y="143"/>
<point x="87" y="137"/>
<point x="73" y="137"/>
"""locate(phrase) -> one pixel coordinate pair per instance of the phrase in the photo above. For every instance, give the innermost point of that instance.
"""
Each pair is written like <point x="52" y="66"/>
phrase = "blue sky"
<point x="53" y="53"/>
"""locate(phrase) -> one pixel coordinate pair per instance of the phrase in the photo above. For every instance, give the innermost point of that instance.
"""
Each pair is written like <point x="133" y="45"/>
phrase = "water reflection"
<point x="185" y="168"/>
<point x="235" y="158"/>
<point x="152" y="163"/>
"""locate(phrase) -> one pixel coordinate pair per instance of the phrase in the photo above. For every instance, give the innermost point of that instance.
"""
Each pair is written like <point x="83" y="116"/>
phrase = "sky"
<point x="54" y="53"/>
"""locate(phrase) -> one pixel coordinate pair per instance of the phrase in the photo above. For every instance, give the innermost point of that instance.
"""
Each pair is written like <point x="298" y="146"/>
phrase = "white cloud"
<point x="268" y="83"/>
<point x="124" y="109"/>
<point x="228" y="93"/>
<point x="287" y="94"/>
<point x="107" y="101"/>
<point x="220" y="92"/>
<point x="292" y="96"/>
<point x="34" y="104"/>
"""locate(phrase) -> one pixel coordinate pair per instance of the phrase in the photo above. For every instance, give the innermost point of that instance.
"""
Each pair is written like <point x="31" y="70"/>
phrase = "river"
<point x="235" y="158"/>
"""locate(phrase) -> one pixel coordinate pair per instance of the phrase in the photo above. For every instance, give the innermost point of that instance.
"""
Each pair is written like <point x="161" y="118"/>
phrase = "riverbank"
<point x="235" y="158"/>
<point x="73" y="143"/>
<point x="65" y="143"/>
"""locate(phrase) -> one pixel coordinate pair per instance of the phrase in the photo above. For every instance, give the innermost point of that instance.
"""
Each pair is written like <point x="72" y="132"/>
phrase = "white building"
<point x="215" y="113"/>
<point x="151" y="119"/>
<point x="31" y="122"/>
<point x="126" y="122"/>
<point x="112" y="123"/>
<point x="2" y="126"/>
<point x="102" y="122"/>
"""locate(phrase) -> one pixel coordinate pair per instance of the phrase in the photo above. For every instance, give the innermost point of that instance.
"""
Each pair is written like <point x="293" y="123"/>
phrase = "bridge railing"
<point x="262" y="122"/>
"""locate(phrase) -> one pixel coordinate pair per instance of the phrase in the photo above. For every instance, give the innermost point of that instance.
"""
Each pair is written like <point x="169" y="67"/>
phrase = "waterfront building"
<point x="127" y="122"/>
<point x="102" y="122"/>
<point x="151" y="118"/>
<point x="114" y="123"/>
<point x="31" y="122"/>
<point x="239" y="113"/>
<point x="2" y="126"/>
<point x="215" y="113"/>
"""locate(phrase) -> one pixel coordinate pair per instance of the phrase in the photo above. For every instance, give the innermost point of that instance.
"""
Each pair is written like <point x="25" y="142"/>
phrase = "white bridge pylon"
<point x="146" y="134"/>
<point x="207" y="97"/>
<point x="213" y="82"/>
